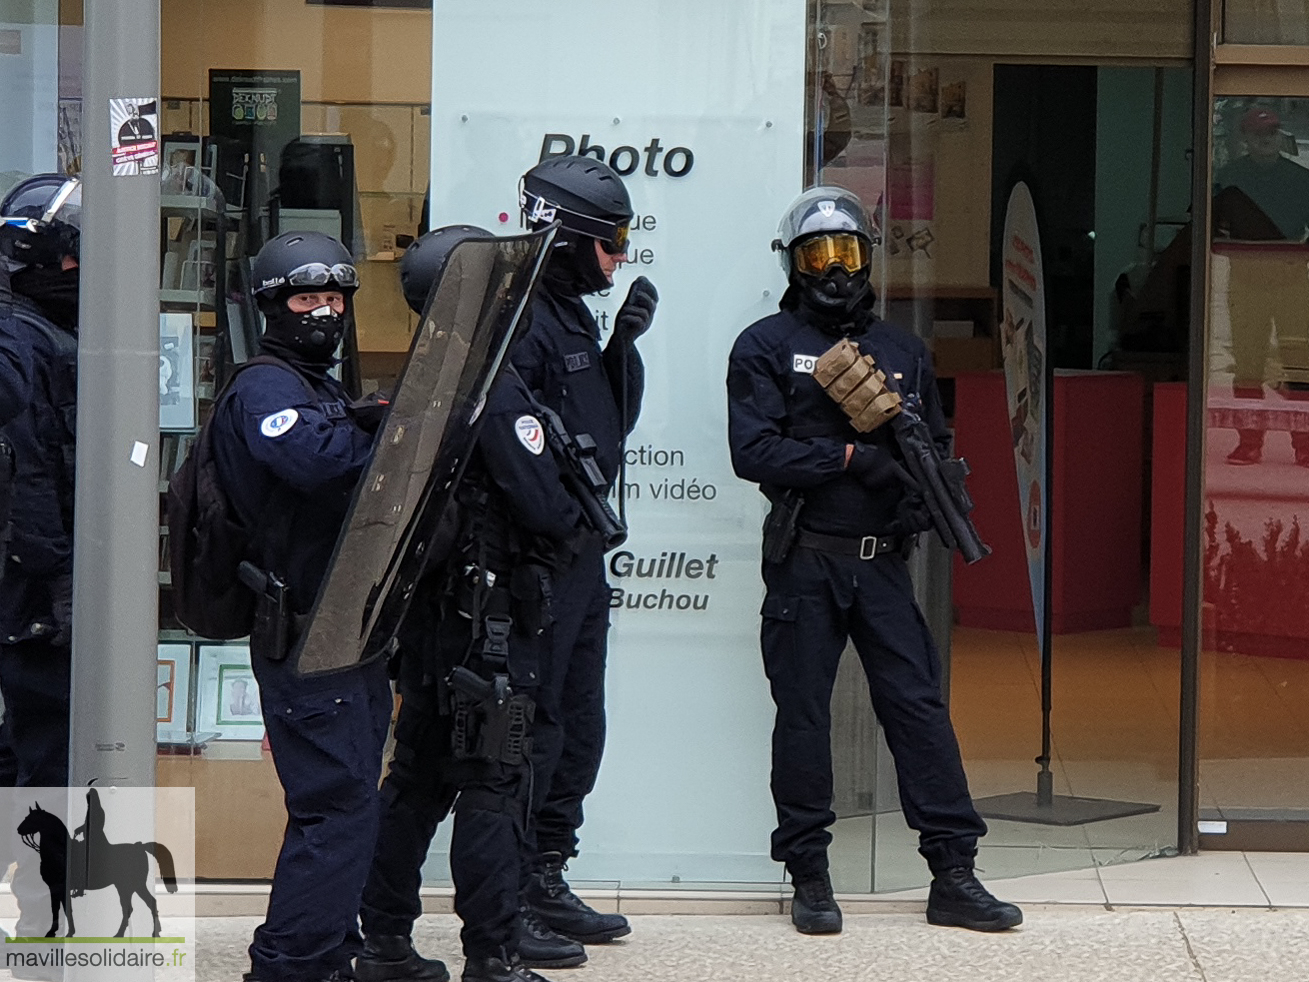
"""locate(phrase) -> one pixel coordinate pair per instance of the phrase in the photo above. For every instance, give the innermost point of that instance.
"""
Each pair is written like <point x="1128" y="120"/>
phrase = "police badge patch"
<point x="530" y="434"/>
<point x="275" y="425"/>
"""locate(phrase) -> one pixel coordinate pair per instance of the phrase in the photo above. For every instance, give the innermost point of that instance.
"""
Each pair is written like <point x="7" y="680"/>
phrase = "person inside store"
<point x="1261" y="199"/>
<point x="596" y="391"/>
<point x="855" y="512"/>
<point x="40" y="247"/>
<point x="486" y="609"/>
<point x="289" y="453"/>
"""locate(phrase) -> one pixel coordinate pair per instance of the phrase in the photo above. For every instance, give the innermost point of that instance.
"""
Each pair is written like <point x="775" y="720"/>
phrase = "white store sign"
<point x="701" y="107"/>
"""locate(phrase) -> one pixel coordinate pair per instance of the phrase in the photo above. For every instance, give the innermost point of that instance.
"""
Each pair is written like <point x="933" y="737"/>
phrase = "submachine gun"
<point x="942" y="484"/>
<point x="580" y="472"/>
<point x="871" y="398"/>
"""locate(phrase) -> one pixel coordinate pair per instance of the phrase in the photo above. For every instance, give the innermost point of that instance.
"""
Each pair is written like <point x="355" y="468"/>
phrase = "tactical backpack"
<point x="207" y="541"/>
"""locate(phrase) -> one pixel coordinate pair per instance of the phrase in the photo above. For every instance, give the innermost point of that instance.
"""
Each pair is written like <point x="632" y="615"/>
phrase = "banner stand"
<point x="1029" y="384"/>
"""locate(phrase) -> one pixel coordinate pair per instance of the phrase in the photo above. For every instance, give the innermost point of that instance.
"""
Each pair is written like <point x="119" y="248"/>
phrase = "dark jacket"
<point x="40" y="372"/>
<point x="561" y="361"/>
<point x="290" y="463"/>
<point x="786" y="432"/>
<point x="15" y="358"/>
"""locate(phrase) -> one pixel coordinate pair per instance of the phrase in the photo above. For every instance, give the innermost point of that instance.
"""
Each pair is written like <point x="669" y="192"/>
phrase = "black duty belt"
<point x="865" y="547"/>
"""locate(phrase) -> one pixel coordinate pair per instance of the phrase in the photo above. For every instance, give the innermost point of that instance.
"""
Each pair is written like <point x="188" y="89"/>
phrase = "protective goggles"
<point x="815" y="256"/>
<point x="320" y="274"/>
<point x="612" y="236"/>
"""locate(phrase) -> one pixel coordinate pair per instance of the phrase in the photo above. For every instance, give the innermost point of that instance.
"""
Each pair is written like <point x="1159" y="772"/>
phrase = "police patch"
<point x="577" y="361"/>
<point x="275" y="425"/>
<point x="530" y="433"/>
<point x="804" y="364"/>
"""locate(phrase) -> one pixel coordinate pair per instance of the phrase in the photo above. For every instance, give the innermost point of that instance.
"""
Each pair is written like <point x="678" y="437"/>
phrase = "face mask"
<point x="313" y="336"/>
<point x="574" y="269"/>
<point x="54" y="290"/>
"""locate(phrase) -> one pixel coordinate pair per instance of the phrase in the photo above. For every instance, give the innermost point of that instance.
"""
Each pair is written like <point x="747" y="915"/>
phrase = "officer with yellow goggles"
<point x="848" y="512"/>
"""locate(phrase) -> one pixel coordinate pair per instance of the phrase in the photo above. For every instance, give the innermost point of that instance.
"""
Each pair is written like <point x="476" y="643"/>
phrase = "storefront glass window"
<point x="932" y="112"/>
<point x="36" y="141"/>
<point x="280" y="114"/>
<point x="1254" y="686"/>
<point x="276" y="115"/>
<point x="1266" y="22"/>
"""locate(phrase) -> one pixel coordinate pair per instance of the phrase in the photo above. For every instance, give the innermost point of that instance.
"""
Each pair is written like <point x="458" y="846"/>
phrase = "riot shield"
<point x="473" y="315"/>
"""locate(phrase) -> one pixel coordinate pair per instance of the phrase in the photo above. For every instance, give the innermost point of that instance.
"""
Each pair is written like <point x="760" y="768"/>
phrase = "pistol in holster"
<point x="491" y="722"/>
<point x="782" y="526"/>
<point x="270" y="635"/>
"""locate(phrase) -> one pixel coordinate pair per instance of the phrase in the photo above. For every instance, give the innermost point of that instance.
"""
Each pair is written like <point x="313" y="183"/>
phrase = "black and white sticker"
<point x="275" y="425"/>
<point x="530" y="433"/>
<point x="804" y="364"/>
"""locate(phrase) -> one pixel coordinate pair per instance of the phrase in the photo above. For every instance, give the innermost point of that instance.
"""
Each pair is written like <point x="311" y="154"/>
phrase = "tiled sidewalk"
<point x="1057" y="944"/>
<point x="1219" y="917"/>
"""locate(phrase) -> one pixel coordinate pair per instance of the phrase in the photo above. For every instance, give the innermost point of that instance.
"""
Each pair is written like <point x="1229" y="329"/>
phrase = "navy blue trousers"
<point x="815" y="602"/>
<point x="327" y="735"/>
<point x="490" y="802"/>
<point x="35" y="679"/>
<point x="569" y="733"/>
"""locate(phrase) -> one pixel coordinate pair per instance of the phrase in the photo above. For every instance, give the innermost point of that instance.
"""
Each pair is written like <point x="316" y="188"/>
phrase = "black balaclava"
<point x="838" y="302"/>
<point x="308" y="339"/>
<point x="574" y="268"/>
<point x="52" y="289"/>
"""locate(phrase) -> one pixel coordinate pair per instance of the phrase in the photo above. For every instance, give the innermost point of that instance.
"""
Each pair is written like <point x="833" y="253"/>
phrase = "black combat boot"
<point x="813" y="908"/>
<point x="502" y="969"/>
<point x="957" y="899"/>
<point x="562" y="910"/>
<point x="392" y="958"/>
<point x="540" y="947"/>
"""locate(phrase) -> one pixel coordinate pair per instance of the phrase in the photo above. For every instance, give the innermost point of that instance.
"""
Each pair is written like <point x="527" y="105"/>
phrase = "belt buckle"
<point x="868" y="547"/>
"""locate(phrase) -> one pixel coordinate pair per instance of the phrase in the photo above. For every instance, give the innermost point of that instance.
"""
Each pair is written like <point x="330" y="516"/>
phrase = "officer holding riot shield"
<point x="595" y="391"/>
<point x="289" y="452"/>
<point x="469" y="669"/>
<point x="845" y="513"/>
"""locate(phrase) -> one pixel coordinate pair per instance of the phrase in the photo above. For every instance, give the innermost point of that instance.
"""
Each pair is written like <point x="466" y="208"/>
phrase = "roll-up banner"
<point x="1023" y="340"/>
<point x="701" y="108"/>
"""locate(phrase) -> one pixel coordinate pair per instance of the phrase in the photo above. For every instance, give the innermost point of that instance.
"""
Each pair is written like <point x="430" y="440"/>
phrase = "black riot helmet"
<point x="825" y="244"/>
<point x="426" y="258"/>
<point x="590" y="202"/>
<point x="303" y="262"/>
<point x="41" y="221"/>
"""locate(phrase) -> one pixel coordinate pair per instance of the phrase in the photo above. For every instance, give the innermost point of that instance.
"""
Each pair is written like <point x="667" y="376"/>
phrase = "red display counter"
<point x="1097" y="503"/>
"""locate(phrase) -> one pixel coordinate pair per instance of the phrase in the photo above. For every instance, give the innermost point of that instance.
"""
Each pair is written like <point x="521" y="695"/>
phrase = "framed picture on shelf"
<point x="206" y="366"/>
<point x="227" y="697"/>
<point x="183" y="166"/>
<point x="176" y="369"/>
<point x="173" y="689"/>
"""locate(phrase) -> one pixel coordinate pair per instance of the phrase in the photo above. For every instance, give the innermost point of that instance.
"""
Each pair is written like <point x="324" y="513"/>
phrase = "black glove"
<point x="61" y="610"/>
<point x="877" y="470"/>
<point x="634" y="316"/>
<point x="369" y="411"/>
<point x="913" y="515"/>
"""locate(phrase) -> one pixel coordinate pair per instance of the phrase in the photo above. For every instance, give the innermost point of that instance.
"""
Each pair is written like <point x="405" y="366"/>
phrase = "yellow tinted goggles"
<point x="815" y="256"/>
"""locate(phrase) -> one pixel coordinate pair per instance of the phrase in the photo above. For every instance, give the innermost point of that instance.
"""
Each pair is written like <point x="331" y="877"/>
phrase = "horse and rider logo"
<point x="72" y="864"/>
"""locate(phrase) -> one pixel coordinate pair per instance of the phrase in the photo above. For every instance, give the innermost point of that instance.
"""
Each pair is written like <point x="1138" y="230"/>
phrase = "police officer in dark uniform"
<point x="40" y="222"/>
<point x="486" y="610"/>
<point x="845" y="577"/>
<point x="289" y="454"/>
<point x="596" y="391"/>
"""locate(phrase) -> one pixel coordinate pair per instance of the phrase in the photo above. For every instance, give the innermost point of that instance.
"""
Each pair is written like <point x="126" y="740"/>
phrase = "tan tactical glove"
<point x="857" y="385"/>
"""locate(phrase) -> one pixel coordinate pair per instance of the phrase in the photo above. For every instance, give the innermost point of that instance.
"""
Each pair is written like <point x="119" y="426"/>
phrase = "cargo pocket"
<point x="777" y="638"/>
